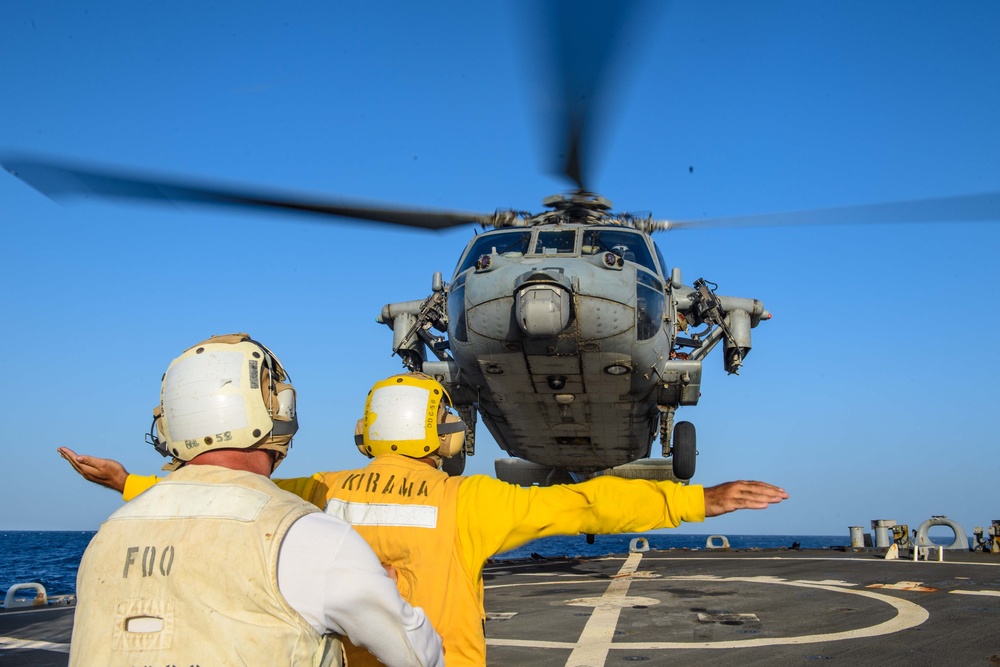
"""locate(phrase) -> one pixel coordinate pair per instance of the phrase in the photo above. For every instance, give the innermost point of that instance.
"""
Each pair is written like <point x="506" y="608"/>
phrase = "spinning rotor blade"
<point x="584" y="38"/>
<point x="60" y="180"/>
<point x="968" y="208"/>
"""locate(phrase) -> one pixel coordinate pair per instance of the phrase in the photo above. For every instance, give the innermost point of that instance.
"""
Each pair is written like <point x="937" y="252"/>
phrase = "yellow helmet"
<point x="228" y="392"/>
<point x="407" y="414"/>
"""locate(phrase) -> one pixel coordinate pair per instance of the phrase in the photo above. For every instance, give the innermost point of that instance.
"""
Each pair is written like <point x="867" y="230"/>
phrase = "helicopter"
<point x="570" y="337"/>
<point x="569" y="376"/>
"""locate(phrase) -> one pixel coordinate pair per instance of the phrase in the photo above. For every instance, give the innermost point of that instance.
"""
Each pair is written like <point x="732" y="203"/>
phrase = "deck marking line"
<point x="12" y="643"/>
<point x="592" y="647"/>
<point x="500" y="615"/>
<point x="995" y="594"/>
<point x="829" y="582"/>
<point x="624" y="601"/>
<point x="720" y="617"/>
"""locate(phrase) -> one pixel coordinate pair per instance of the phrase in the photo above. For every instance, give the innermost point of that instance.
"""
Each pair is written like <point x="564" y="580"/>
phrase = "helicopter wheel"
<point x="684" y="450"/>
<point x="454" y="465"/>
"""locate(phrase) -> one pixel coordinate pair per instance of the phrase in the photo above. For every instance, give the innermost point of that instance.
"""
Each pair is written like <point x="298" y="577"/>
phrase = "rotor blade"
<point x="60" y="180"/>
<point x="963" y="208"/>
<point x="583" y="36"/>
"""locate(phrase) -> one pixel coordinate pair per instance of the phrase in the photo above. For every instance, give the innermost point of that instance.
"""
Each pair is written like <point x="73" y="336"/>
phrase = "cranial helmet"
<point x="228" y="392"/>
<point x="407" y="414"/>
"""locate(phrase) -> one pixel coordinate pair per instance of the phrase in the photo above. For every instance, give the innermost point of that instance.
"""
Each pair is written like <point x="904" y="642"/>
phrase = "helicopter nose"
<point x="543" y="309"/>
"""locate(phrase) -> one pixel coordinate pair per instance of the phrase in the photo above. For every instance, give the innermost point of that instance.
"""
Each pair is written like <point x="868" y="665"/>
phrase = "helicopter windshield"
<point x="514" y="243"/>
<point x="559" y="242"/>
<point x="630" y="246"/>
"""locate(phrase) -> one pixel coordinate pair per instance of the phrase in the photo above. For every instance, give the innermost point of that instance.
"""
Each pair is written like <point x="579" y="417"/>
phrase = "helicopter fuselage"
<point x="553" y="338"/>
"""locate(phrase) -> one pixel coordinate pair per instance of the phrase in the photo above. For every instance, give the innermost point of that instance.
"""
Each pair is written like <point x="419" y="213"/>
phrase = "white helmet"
<point x="227" y="392"/>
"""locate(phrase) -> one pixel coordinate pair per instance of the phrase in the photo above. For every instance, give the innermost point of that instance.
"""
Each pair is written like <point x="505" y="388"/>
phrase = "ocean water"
<point x="51" y="558"/>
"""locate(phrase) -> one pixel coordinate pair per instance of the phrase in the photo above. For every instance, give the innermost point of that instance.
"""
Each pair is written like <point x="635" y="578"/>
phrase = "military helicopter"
<point x="565" y="330"/>
<point x="569" y="335"/>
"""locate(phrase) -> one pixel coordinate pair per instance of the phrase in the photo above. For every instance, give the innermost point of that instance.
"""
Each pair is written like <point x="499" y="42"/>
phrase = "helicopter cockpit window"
<point x="659" y="256"/>
<point x="560" y="242"/>
<point x="650" y="305"/>
<point x="513" y="243"/>
<point x="630" y="246"/>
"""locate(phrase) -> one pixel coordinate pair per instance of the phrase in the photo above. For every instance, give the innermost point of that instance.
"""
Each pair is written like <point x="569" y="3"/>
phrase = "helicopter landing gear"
<point x="684" y="450"/>
<point x="454" y="465"/>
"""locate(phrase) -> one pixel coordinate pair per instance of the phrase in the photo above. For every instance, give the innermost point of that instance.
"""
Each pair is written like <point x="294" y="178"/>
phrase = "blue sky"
<point x="868" y="396"/>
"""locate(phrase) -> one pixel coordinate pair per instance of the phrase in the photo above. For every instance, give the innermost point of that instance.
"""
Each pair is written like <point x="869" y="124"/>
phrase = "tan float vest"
<point x="186" y="574"/>
<point x="406" y="512"/>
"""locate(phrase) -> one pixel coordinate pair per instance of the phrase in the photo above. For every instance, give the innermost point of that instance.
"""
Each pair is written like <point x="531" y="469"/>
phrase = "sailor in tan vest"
<point x="216" y="565"/>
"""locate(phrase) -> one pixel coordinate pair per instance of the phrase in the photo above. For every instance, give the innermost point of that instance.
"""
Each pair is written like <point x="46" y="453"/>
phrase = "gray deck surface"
<point x="768" y="607"/>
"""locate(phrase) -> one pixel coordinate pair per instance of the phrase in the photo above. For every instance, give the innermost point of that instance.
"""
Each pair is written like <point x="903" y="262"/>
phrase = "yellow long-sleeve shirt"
<point x="387" y="500"/>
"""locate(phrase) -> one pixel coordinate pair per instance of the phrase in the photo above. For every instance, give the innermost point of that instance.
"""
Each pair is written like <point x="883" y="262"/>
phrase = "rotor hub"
<point x="579" y="206"/>
<point x="579" y="199"/>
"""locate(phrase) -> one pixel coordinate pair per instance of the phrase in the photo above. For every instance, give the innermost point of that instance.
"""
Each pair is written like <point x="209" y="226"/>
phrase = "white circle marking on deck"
<point x="596" y="637"/>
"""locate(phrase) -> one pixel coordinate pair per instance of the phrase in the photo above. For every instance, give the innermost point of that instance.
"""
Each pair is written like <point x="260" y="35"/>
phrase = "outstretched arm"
<point x="106" y="472"/>
<point x="741" y="495"/>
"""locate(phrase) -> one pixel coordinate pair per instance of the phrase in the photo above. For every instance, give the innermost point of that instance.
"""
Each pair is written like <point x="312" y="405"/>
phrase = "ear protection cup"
<point x="452" y="434"/>
<point x="359" y="437"/>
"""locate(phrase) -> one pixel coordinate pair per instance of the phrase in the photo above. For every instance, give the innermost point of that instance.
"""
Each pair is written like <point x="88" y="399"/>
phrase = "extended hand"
<point x="106" y="472"/>
<point x="740" y="496"/>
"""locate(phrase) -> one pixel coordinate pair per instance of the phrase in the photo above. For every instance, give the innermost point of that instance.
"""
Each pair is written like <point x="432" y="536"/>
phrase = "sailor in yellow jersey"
<point x="438" y="531"/>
